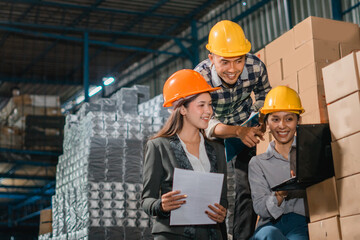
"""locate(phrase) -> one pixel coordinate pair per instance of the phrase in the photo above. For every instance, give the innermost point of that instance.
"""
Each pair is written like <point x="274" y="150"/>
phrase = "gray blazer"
<point x="162" y="155"/>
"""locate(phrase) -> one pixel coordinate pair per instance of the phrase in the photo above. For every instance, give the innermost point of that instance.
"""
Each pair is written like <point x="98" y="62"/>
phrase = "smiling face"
<point x="198" y="112"/>
<point x="282" y="125"/>
<point x="228" y="68"/>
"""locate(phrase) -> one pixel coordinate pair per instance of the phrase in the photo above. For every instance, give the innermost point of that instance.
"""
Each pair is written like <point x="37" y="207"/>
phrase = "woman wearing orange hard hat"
<point x="181" y="144"/>
<point x="238" y="73"/>
<point x="282" y="214"/>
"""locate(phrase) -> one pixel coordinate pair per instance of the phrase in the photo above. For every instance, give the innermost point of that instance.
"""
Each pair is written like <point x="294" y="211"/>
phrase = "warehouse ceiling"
<point x="42" y="43"/>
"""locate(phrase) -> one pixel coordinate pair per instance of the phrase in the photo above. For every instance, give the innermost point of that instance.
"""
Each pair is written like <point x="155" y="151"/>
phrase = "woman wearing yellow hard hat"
<point x="181" y="144"/>
<point x="238" y="73"/>
<point x="282" y="214"/>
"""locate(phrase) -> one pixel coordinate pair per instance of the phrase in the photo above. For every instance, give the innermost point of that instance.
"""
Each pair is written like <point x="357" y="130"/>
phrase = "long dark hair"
<point x="175" y="122"/>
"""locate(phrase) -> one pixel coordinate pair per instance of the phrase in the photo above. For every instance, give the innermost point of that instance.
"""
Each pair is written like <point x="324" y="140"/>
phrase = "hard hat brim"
<point x="230" y="54"/>
<point x="294" y="110"/>
<point x="170" y="101"/>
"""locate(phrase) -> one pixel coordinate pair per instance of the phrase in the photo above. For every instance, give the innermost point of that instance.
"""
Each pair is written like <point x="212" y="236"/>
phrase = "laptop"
<point x="313" y="161"/>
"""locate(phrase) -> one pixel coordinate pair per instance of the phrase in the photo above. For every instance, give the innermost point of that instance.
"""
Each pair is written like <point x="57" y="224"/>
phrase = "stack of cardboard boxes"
<point x="323" y="208"/>
<point x="19" y="111"/>
<point x="318" y="59"/>
<point x="333" y="204"/>
<point x="23" y="105"/>
<point x="296" y="58"/>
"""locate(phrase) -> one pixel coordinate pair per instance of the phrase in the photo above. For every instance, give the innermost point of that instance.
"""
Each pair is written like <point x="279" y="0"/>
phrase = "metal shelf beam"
<point x="48" y="189"/>
<point x="20" y="195"/>
<point x="32" y="215"/>
<point x="31" y="163"/>
<point x="31" y="152"/>
<point x="22" y="176"/>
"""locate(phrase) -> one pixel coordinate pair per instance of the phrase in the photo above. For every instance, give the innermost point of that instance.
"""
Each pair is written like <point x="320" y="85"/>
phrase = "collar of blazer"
<point x="183" y="161"/>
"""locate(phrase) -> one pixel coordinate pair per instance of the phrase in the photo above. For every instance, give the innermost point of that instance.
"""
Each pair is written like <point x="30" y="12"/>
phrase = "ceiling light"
<point x="95" y="90"/>
<point x="79" y="99"/>
<point x="109" y="80"/>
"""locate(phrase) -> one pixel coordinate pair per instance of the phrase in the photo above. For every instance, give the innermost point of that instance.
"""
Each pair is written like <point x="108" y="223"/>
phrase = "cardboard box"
<point x="39" y="111"/>
<point x="325" y="29"/>
<point x="327" y="229"/>
<point x="280" y="47"/>
<point x="291" y="81"/>
<point x="344" y="115"/>
<point x="347" y="48"/>
<point x="311" y="51"/>
<point x="53" y="111"/>
<point x="45" y="215"/>
<point x="275" y="73"/>
<point x="350" y="227"/>
<point x="263" y="145"/>
<point x="276" y="78"/>
<point x="322" y="200"/>
<point x="314" y="117"/>
<point x="341" y="78"/>
<point x="313" y="99"/>
<point x="45" y="101"/>
<point x="346" y="152"/>
<point x="37" y="100"/>
<point x="349" y="195"/>
<point x="309" y="29"/>
<point x="261" y="55"/>
<point x="311" y="76"/>
<point x="22" y="100"/>
<point x="11" y="137"/>
<point x="45" y="228"/>
<point x="45" y="221"/>
<point x="24" y="110"/>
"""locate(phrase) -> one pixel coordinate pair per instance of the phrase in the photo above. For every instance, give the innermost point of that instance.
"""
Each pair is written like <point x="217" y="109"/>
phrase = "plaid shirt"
<point x="232" y="106"/>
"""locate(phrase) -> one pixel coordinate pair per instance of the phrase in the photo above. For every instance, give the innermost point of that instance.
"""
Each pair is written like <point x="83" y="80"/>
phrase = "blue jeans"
<point x="290" y="226"/>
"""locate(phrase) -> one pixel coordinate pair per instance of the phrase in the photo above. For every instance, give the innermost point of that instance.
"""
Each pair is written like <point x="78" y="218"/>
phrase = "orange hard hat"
<point x="183" y="83"/>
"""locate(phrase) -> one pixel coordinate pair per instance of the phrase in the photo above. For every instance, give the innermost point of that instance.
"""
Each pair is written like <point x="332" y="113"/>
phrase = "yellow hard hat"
<point x="282" y="99"/>
<point x="227" y="39"/>
<point x="183" y="83"/>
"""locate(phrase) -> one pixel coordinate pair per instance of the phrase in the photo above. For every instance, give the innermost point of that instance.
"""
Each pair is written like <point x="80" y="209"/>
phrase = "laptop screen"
<point x="313" y="153"/>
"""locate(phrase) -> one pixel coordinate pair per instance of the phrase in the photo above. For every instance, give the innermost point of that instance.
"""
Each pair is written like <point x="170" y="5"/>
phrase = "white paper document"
<point x="202" y="189"/>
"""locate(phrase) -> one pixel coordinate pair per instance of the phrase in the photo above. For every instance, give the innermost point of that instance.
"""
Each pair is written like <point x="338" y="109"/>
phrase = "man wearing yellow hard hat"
<point x="238" y="73"/>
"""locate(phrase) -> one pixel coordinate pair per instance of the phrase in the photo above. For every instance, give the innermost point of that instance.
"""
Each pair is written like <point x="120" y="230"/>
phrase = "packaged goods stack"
<point x="154" y="108"/>
<point x="99" y="176"/>
<point x="45" y="236"/>
<point x="32" y="122"/>
<point x="296" y="58"/>
<point x="340" y="216"/>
